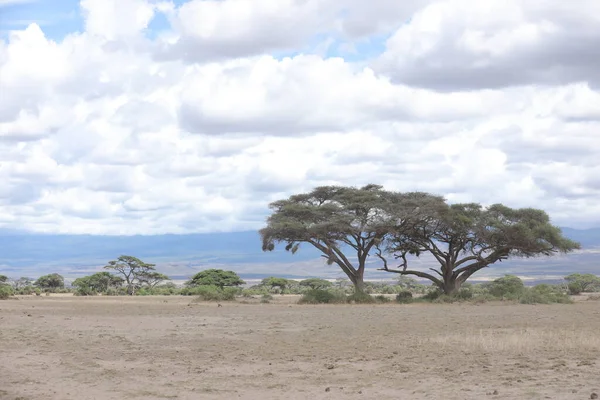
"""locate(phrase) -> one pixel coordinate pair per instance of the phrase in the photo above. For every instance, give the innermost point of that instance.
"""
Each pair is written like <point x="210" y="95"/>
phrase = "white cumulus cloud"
<point x="125" y="128"/>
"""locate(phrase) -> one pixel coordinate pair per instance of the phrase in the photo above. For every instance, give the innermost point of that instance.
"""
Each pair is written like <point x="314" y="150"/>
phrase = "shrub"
<point x="361" y="298"/>
<point x="432" y="294"/>
<point x="464" y="293"/>
<point x="319" y="296"/>
<point x="382" y="299"/>
<point x="84" y="291"/>
<point x="543" y="294"/>
<point x="6" y="292"/>
<point x="575" y="288"/>
<point x="266" y="298"/>
<point x="404" y="297"/>
<point x="254" y="292"/>
<point x="214" y="293"/>
<point x="508" y="287"/>
<point x="445" y="298"/>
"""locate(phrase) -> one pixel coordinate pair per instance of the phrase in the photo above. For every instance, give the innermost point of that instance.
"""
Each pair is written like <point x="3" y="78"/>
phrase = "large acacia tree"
<point x="344" y="223"/>
<point x="465" y="238"/>
<point x="133" y="270"/>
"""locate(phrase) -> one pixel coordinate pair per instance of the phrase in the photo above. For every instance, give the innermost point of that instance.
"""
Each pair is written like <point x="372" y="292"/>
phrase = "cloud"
<point x="101" y="132"/>
<point x="457" y="45"/>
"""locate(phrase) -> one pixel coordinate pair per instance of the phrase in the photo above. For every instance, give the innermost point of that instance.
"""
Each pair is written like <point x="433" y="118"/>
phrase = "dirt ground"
<point x="170" y="348"/>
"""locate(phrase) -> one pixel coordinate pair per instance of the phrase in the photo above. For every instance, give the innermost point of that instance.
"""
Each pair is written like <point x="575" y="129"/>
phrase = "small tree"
<point x="132" y="269"/>
<point x="316" y="283"/>
<point x="465" y="238"/>
<point x="151" y="279"/>
<point x="583" y="282"/>
<point x="99" y="282"/>
<point x="50" y="282"/>
<point x="507" y="286"/>
<point x="3" y="279"/>
<point x="23" y="282"/>
<point x="215" y="277"/>
<point x="274" y="282"/>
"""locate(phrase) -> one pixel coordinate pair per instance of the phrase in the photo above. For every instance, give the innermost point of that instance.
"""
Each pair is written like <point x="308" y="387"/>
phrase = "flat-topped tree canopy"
<point x="465" y="238"/>
<point x="344" y="223"/>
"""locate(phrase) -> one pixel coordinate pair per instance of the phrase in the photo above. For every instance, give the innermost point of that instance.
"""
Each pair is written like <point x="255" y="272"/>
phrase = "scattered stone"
<point x="327" y="389"/>
<point x="330" y="366"/>
<point x="594" y="396"/>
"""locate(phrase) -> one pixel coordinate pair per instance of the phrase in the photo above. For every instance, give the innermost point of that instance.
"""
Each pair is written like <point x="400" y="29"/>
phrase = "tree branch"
<point x="420" y="274"/>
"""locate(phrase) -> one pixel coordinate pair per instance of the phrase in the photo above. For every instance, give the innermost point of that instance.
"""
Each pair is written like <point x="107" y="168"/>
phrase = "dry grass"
<point x="522" y="341"/>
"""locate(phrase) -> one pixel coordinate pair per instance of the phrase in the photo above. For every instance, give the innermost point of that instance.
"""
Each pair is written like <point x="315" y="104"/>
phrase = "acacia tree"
<point x="215" y="277"/>
<point x="274" y="282"/>
<point x="316" y="283"/>
<point x="343" y="223"/>
<point x="50" y="282"/>
<point x="465" y="238"/>
<point x="99" y="282"/>
<point x="23" y="282"/>
<point x="132" y="269"/>
<point x="151" y="279"/>
<point x="583" y="282"/>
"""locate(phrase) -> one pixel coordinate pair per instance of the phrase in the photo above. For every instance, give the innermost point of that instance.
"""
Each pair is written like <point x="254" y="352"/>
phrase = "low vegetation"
<point x="220" y="285"/>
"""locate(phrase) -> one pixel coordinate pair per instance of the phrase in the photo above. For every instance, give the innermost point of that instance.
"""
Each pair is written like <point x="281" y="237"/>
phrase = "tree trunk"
<point x="358" y="281"/>
<point x="359" y="285"/>
<point x="451" y="285"/>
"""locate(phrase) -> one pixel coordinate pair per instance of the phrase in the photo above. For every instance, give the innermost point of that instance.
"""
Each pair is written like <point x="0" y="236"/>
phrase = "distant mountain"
<point x="588" y="238"/>
<point x="180" y="256"/>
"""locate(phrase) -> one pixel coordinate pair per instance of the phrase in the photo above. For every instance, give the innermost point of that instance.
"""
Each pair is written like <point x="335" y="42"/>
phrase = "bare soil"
<point x="64" y="348"/>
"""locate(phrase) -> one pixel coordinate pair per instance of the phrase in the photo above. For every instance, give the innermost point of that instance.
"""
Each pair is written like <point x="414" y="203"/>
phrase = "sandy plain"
<point x="64" y="347"/>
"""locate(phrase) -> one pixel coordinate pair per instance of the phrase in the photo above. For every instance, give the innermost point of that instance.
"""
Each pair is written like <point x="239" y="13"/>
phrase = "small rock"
<point x="327" y="389"/>
<point x="594" y="396"/>
<point x="495" y="392"/>
<point x="330" y="366"/>
<point x="360" y="392"/>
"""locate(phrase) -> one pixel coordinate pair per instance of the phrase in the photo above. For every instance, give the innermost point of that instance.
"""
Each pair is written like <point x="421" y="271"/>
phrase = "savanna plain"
<point x="65" y="347"/>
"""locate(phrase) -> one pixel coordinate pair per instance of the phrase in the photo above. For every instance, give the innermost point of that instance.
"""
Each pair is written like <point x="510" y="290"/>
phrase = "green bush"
<point x="509" y="287"/>
<point x="404" y="297"/>
<point x="214" y="293"/>
<point x="266" y="297"/>
<point x="320" y="296"/>
<point x="26" y="290"/>
<point x="382" y="299"/>
<point x="361" y="298"/>
<point x="432" y="294"/>
<point x="445" y="298"/>
<point x="575" y="288"/>
<point x="6" y="292"/>
<point x="255" y="292"/>
<point x="543" y="294"/>
<point x="465" y="293"/>
<point x="84" y="291"/>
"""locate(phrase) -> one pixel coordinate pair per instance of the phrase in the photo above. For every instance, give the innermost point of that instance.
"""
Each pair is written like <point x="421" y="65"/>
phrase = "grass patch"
<point x="520" y="341"/>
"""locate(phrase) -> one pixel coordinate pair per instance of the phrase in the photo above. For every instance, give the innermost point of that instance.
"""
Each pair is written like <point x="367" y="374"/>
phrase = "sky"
<point x="151" y="117"/>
